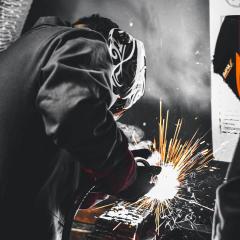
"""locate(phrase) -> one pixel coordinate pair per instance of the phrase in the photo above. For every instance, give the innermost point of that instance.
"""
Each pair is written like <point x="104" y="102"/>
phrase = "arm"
<point x="74" y="100"/>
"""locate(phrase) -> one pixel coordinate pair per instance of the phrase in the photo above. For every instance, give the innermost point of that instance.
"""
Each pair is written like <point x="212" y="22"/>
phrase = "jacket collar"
<point x="52" y="21"/>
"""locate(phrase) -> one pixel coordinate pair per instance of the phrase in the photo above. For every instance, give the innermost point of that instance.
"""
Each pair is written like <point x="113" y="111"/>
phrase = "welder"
<point x="226" y="62"/>
<point x="61" y="86"/>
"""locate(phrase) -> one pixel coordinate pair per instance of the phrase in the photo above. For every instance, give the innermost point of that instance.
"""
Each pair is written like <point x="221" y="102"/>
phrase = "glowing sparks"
<point x="178" y="159"/>
<point x="167" y="184"/>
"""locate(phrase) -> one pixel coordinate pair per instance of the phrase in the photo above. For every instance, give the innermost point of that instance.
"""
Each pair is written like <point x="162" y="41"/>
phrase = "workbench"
<point x="97" y="221"/>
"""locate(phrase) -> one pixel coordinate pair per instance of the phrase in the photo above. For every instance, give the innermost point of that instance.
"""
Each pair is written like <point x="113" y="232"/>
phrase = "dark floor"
<point x="195" y="217"/>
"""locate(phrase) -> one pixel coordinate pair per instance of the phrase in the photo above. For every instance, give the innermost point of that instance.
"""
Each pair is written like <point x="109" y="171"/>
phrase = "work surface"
<point x="193" y="214"/>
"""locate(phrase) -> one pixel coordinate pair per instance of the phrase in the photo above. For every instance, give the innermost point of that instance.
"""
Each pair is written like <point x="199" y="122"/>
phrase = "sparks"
<point x="167" y="184"/>
<point x="178" y="160"/>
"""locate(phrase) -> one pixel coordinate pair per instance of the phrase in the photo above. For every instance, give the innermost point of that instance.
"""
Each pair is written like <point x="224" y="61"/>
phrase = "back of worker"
<point x="38" y="180"/>
<point x="59" y="93"/>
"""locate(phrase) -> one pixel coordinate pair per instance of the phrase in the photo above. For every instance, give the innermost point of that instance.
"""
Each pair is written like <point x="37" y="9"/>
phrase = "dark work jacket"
<point x="57" y="135"/>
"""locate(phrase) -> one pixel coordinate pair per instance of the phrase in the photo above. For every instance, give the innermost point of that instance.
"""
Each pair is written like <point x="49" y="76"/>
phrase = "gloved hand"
<point x="142" y="185"/>
<point x="142" y="153"/>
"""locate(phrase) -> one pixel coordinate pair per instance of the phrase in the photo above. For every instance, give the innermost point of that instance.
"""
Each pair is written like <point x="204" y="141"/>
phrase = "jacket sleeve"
<point x="226" y="219"/>
<point x="74" y="101"/>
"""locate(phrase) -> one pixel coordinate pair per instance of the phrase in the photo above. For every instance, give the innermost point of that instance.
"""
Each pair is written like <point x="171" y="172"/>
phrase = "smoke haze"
<point x="176" y="37"/>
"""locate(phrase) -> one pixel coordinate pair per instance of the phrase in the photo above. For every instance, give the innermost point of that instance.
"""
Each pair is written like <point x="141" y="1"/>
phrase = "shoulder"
<point x="84" y="42"/>
<point x="74" y="35"/>
<point x="58" y="40"/>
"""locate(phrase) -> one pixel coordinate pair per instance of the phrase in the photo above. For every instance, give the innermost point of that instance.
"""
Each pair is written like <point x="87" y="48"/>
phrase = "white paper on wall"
<point x="225" y="106"/>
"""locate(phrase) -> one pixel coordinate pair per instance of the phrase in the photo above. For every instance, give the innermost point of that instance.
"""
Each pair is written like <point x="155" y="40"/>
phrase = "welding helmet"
<point x="129" y="70"/>
<point x="226" y="60"/>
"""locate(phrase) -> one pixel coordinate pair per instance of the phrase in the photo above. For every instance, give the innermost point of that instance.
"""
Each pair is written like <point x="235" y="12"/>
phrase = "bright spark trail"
<point x="195" y="202"/>
<point x="167" y="184"/>
<point x="179" y="160"/>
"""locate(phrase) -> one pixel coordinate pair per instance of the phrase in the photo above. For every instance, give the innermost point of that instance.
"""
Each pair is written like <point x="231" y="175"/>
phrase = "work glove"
<point x="143" y="183"/>
<point x="142" y="153"/>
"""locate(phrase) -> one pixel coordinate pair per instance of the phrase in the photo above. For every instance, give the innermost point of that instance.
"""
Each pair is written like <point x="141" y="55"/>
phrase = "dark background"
<point x="176" y="38"/>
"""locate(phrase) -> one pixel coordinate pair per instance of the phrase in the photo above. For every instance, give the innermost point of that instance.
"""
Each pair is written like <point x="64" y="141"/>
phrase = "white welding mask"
<point x="129" y="70"/>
